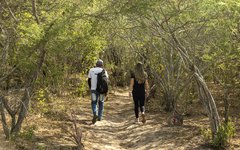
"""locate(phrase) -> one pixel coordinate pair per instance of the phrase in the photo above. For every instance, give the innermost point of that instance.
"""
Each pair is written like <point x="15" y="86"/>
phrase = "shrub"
<point x="207" y="134"/>
<point x="223" y="136"/>
<point x="41" y="104"/>
<point x="28" y="132"/>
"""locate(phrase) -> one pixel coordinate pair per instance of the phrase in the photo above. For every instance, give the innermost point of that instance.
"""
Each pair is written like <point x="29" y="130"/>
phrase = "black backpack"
<point x="102" y="82"/>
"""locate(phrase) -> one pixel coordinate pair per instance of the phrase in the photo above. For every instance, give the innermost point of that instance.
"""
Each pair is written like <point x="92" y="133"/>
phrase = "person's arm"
<point x="146" y="87"/>
<point x="89" y="78"/>
<point x="131" y="86"/>
<point x="106" y="75"/>
<point x="89" y="83"/>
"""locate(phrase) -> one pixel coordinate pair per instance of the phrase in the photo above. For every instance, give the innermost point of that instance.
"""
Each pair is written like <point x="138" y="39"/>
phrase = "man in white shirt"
<point x="96" y="98"/>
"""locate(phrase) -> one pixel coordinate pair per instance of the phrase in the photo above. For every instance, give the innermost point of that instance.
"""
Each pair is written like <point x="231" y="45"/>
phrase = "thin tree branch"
<point x="7" y="75"/>
<point x="12" y="14"/>
<point x="34" y="10"/>
<point x="3" y="120"/>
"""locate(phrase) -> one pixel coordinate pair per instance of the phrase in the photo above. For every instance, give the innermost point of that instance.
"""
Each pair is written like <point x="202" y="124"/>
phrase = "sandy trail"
<point x="118" y="131"/>
<point x="5" y="145"/>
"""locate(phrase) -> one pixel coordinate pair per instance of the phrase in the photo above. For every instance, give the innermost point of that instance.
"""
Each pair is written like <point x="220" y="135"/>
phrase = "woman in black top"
<point x="138" y="88"/>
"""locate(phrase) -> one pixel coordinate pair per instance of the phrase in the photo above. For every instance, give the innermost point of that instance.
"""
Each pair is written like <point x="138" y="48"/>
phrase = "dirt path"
<point x="117" y="130"/>
<point x="5" y="145"/>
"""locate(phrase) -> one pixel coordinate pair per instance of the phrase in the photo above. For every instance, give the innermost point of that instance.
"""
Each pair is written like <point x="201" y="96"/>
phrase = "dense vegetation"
<point x="46" y="45"/>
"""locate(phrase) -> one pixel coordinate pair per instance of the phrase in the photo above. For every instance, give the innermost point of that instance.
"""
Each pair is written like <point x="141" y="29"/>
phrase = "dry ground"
<point x="117" y="130"/>
<point x="5" y="145"/>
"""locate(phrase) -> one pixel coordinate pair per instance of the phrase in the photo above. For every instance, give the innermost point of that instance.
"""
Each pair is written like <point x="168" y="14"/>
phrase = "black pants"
<point x="139" y="100"/>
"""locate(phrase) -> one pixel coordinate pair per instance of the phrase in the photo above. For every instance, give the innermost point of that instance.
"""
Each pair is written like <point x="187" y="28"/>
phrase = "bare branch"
<point x="6" y="105"/>
<point x="7" y="75"/>
<point x="3" y="120"/>
<point x="34" y="10"/>
<point x="12" y="14"/>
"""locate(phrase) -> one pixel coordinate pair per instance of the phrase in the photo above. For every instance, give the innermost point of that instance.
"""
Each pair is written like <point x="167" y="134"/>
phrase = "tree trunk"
<point x="204" y="93"/>
<point x="4" y="122"/>
<point x="226" y="104"/>
<point x="29" y="87"/>
<point x="169" y="102"/>
<point x="208" y="102"/>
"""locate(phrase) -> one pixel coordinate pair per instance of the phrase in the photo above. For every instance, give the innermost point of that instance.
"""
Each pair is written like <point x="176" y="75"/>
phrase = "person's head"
<point x="139" y="73"/>
<point x="99" y="63"/>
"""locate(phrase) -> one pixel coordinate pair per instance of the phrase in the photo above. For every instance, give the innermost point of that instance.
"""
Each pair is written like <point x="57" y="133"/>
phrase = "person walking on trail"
<point x="97" y="98"/>
<point x="138" y="90"/>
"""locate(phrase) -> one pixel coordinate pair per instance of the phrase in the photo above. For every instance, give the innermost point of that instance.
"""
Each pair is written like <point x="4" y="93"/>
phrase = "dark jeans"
<point x="139" y="101"/>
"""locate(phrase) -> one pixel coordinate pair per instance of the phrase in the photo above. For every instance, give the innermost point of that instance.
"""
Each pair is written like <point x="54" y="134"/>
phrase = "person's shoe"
<point x="94" y="120"/>
<point x="137" y="120"/>
<point x="143" y="118"/>
<point x="99" y="119"/>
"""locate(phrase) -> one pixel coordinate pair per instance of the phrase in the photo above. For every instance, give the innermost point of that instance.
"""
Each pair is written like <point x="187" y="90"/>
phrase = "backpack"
<point x="102" y="83"/>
